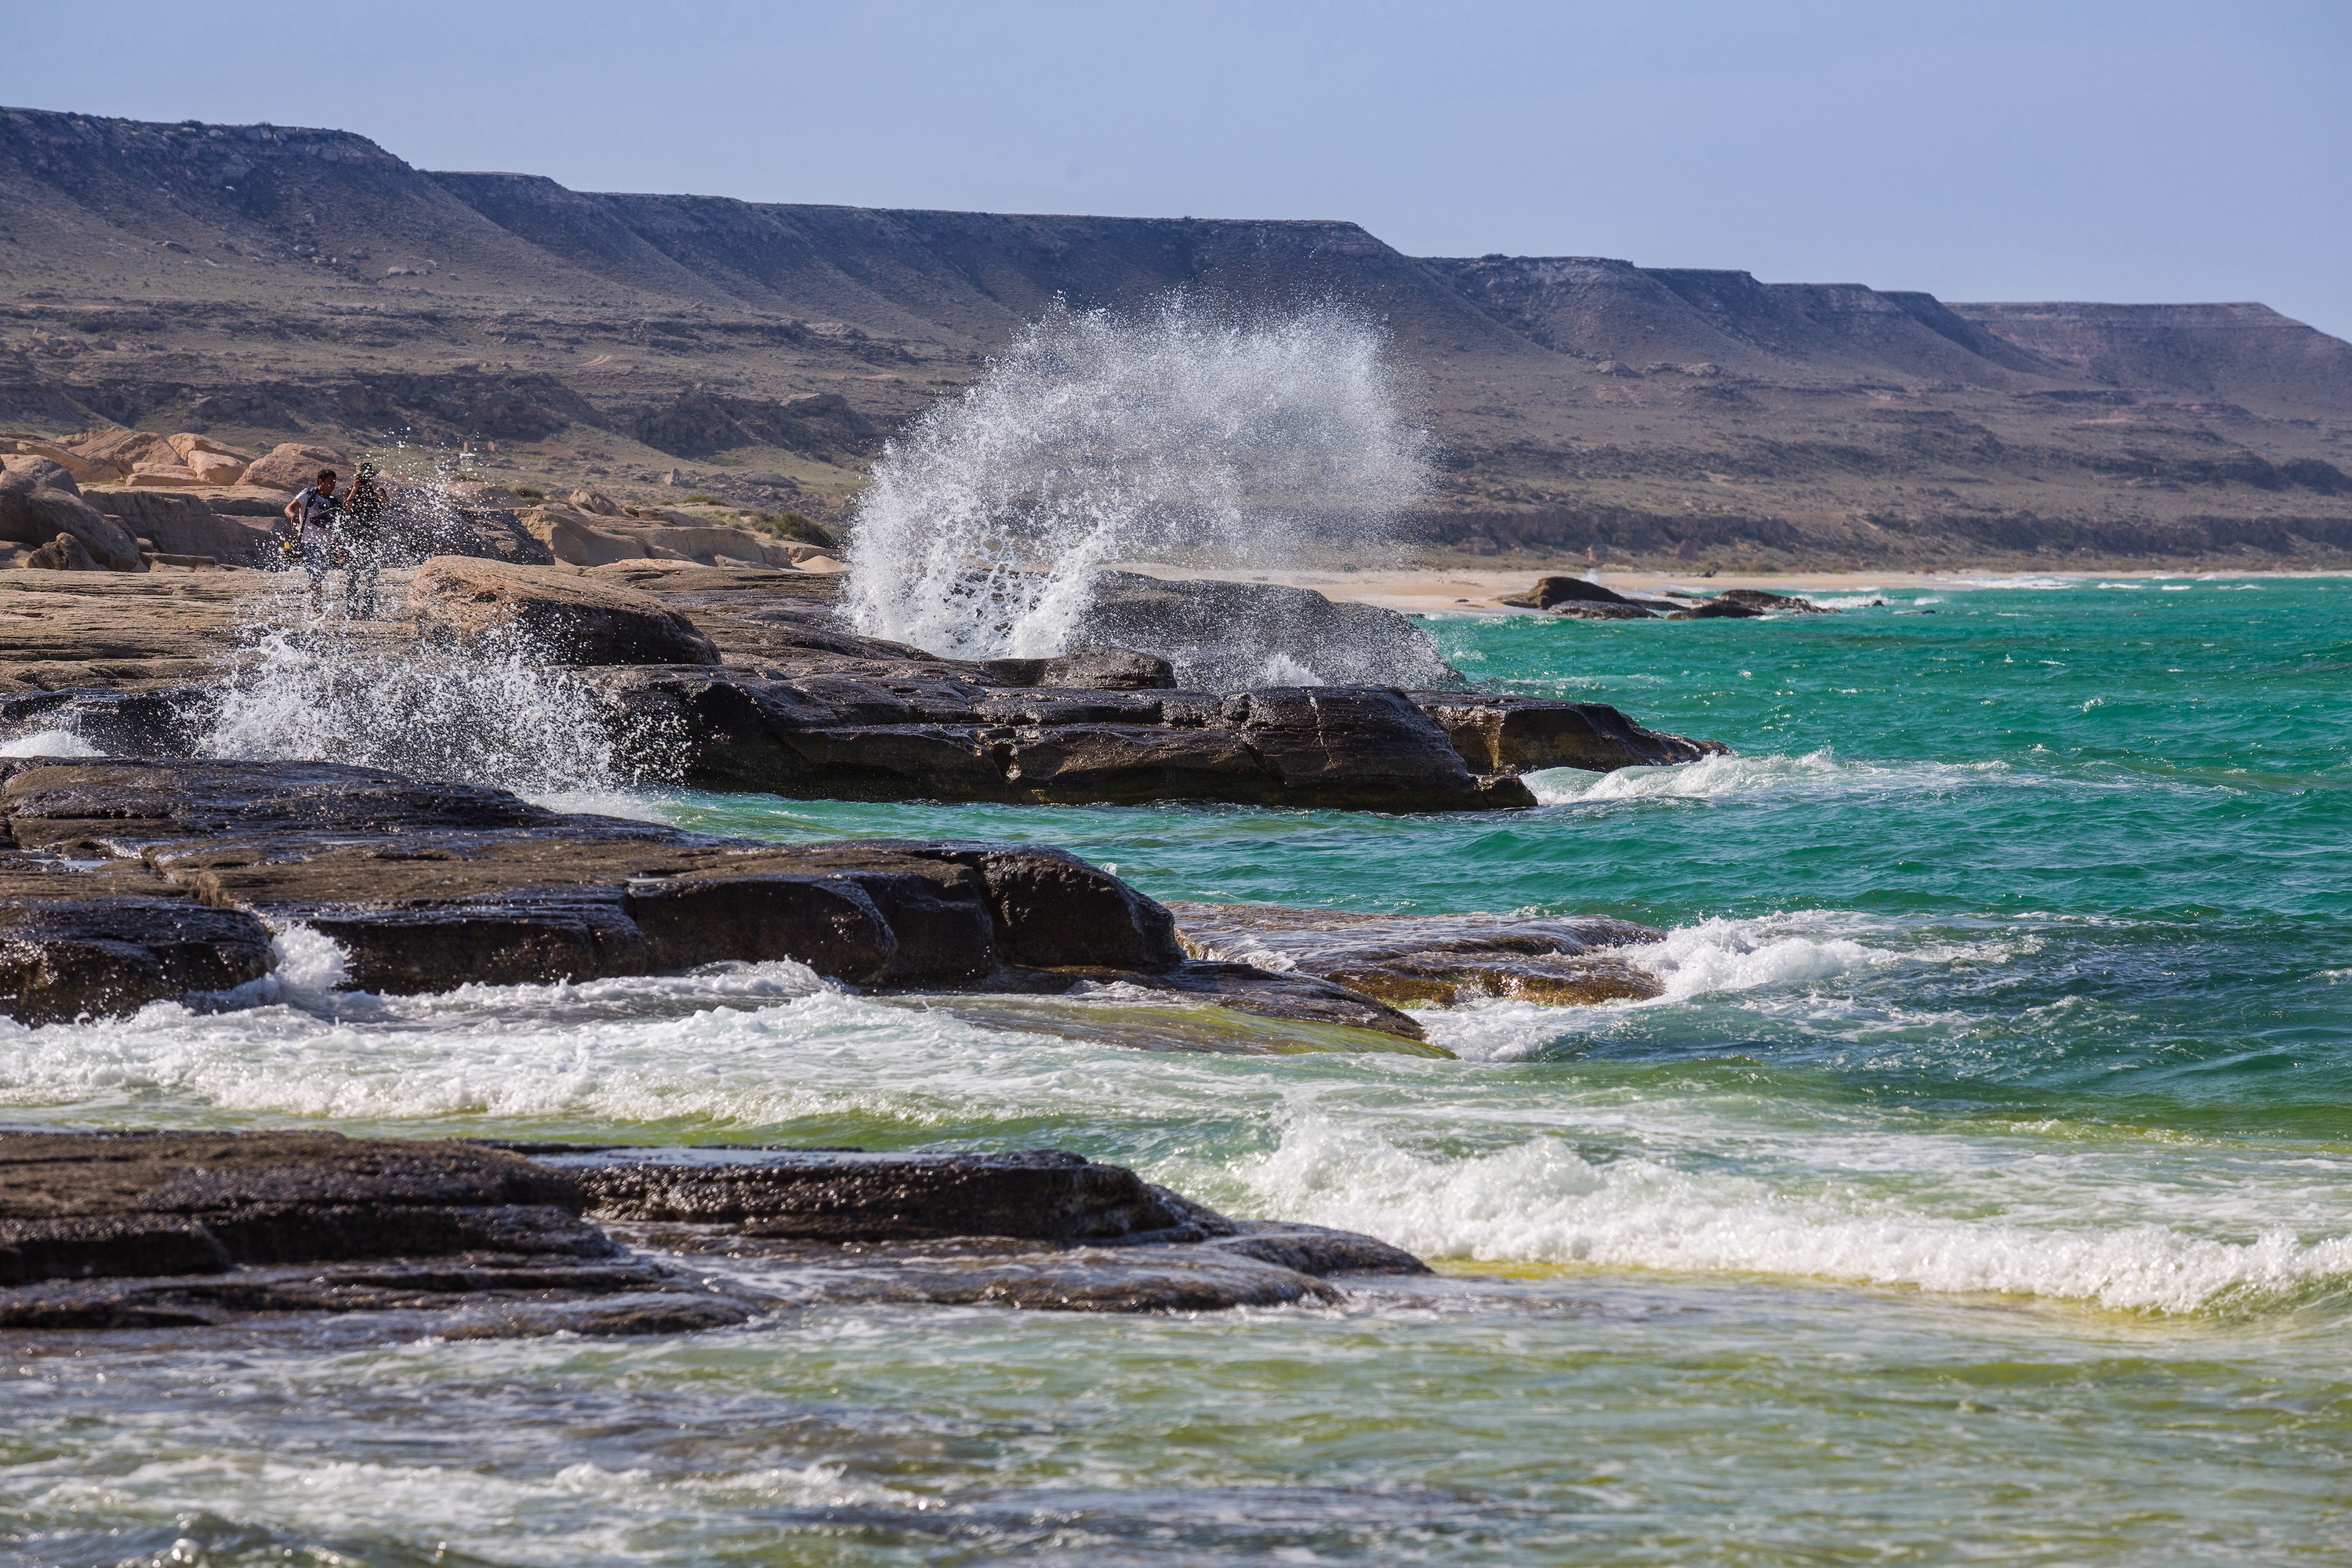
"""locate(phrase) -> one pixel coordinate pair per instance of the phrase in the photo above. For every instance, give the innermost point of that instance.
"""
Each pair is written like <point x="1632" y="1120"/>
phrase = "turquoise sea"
<point x="1980" y="1191"/>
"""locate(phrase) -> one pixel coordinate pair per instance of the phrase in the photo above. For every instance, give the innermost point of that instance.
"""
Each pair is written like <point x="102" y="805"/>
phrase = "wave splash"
<point x="1542" y="1202"/>
<point x="491" y="710"/>
<point x="1180" y="435"/>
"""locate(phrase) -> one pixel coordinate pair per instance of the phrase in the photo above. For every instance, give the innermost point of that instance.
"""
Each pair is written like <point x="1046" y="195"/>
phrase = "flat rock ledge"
<point x="129" y="881"/>
<point x="742" y="679"/>
<point x="312" y="1233"/>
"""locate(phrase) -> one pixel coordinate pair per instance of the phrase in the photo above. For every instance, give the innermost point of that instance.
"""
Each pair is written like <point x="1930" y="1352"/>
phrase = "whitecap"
<point x="1542" y="1201"/>
<point x="1727" y="777"/>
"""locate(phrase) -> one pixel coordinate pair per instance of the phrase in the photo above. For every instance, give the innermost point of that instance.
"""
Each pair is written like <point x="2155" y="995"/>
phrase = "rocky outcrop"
<point x="1231" y="636"/>
<point x="291" y="465"/>
<point x="565" y="615"/>
<point x="194" y="1231"/>
<point x="762" y="688"/>
<point x="1506" y="734"/>
<point x="140" y="880"/>
<point x="1446" y="959"/>
<point x="863" y="738"/>
<point x="40" y="500"/>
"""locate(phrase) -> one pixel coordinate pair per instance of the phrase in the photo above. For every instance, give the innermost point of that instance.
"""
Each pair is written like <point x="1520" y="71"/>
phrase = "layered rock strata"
<point x="131" y="881"/>
<point x="210" y="1231"/>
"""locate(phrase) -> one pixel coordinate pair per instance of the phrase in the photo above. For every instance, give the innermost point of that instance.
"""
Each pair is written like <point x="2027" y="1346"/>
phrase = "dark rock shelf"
<point x="164" y="1231"/>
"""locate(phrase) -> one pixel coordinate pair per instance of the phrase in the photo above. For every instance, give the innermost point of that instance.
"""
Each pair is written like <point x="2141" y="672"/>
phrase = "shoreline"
<point x="1443" y="591"/>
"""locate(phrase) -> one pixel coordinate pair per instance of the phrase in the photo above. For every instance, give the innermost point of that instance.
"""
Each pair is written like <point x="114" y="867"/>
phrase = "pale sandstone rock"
<point x="216" y="469"/>
<point x="85" y="471"/>
<point x="291" y="465"/>
<point x="163" y="477"/>
<point x="188" y="444"/>
<point x="125" y="449"/>
<point x="573" y="538"/>
<point x="597" y="504"/>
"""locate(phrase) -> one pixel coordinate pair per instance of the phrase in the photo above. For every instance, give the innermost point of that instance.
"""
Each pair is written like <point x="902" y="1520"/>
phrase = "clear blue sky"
<point x="2133" y="150"/>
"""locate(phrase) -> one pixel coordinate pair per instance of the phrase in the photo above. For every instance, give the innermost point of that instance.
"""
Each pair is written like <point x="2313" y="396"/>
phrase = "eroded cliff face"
<point x="267" y="283"/>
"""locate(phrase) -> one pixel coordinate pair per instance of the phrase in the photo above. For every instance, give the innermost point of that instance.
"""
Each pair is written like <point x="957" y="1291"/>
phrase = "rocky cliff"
<point x="266" y="283"/>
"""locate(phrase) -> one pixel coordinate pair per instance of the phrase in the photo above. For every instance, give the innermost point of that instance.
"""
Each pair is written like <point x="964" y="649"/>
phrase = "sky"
<point x="2148" y="151"/>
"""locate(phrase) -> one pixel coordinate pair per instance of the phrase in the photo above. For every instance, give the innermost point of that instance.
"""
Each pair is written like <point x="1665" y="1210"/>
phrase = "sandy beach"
<point x="1448" y="591"/>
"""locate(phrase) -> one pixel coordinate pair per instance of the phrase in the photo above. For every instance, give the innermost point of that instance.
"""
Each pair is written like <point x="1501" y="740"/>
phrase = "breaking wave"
<point x="1542" y="1202"/>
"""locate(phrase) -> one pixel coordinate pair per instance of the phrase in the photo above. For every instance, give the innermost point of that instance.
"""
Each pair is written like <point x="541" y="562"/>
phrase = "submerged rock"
<point x="1446" y="959"/>
<point x="216" y="1231"/>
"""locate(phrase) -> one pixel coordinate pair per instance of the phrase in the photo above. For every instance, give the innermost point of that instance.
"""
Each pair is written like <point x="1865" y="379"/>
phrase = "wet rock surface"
<point x="1446" y="959"/>
<point x="763" y="689"/>
<point x="132" y="882"/>
<point x="217" y="1231"/>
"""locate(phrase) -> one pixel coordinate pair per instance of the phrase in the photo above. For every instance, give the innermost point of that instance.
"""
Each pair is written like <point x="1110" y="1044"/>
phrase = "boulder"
<point x="121" y="449"/>
<point x="188" y="444"/>
<point x="1720" y="608"/>
<point x="576" y="540"/>
<point x="1758" y="600"/>
<point x="40" y="500"/>
<point x="1042" y="1195"/>
<point x="1587" y="610"/>
<point x="1550" y="590"/>
<point x="216" y="469"/>
<point x="163" y="477"/>
<point x="572" y="618"/>
<point x="1228" y="636"/>
<point x="63" y="553"/>
<point x="187" y="525"/>
<point x="1496" y="733"/>
<point x="596" y="503"/>
<point x="84" y="469"/>
<point x="67" y="959"/>
<point x="291" y="465"/>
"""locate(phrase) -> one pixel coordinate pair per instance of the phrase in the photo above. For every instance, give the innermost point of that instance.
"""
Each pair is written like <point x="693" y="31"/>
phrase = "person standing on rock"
<point x="359" y="543"/>
<point x="313" y="513"/>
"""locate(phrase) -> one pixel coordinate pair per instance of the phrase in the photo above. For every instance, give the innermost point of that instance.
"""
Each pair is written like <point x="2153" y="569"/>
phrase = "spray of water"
<point x="1179" y="435"/>
<point x="493" y="710"/>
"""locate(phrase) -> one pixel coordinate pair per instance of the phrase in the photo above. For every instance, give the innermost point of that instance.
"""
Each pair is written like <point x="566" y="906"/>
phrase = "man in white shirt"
<point x="313" y="513"/>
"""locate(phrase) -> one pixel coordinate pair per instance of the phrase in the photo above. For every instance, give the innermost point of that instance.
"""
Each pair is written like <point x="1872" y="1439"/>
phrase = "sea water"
<point x="1978" y="1191"/>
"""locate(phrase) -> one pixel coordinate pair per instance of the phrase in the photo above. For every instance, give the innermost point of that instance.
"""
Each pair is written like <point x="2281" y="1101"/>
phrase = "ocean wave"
<point x="1729" y="777"/>
<point x="1810" y="951"/>
<point x="1541" y="1201"/>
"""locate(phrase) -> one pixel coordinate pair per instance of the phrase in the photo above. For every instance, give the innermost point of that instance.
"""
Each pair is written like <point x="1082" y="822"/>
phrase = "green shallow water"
<point x="1980" y="1191"/>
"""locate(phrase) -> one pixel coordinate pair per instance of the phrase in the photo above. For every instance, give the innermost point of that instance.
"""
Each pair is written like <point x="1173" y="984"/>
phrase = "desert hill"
<point x="266" y="283"/>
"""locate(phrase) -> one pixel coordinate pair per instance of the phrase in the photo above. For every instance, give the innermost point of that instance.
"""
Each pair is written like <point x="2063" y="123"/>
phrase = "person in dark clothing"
<point x="359" y="543"/>
<point x="312" y="540"/>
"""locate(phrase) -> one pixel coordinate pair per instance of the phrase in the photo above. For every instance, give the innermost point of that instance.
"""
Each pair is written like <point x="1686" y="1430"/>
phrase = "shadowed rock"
<point x="575" y="618"/>
<point x="82" y="1205"/>
<point x="138" y="880"/>
<point x="207" y="1231"/>
<point x="1499" y="735"/>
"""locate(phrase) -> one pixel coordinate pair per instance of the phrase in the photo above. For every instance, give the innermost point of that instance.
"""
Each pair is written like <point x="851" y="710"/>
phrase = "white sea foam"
<point x="1540" y="1200"/>
<point x="1729" y="777"/>
<point x="49" y="744"/>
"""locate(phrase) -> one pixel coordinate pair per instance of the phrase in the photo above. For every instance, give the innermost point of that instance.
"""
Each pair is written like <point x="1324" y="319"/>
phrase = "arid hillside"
<point x="264" y="284"/>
